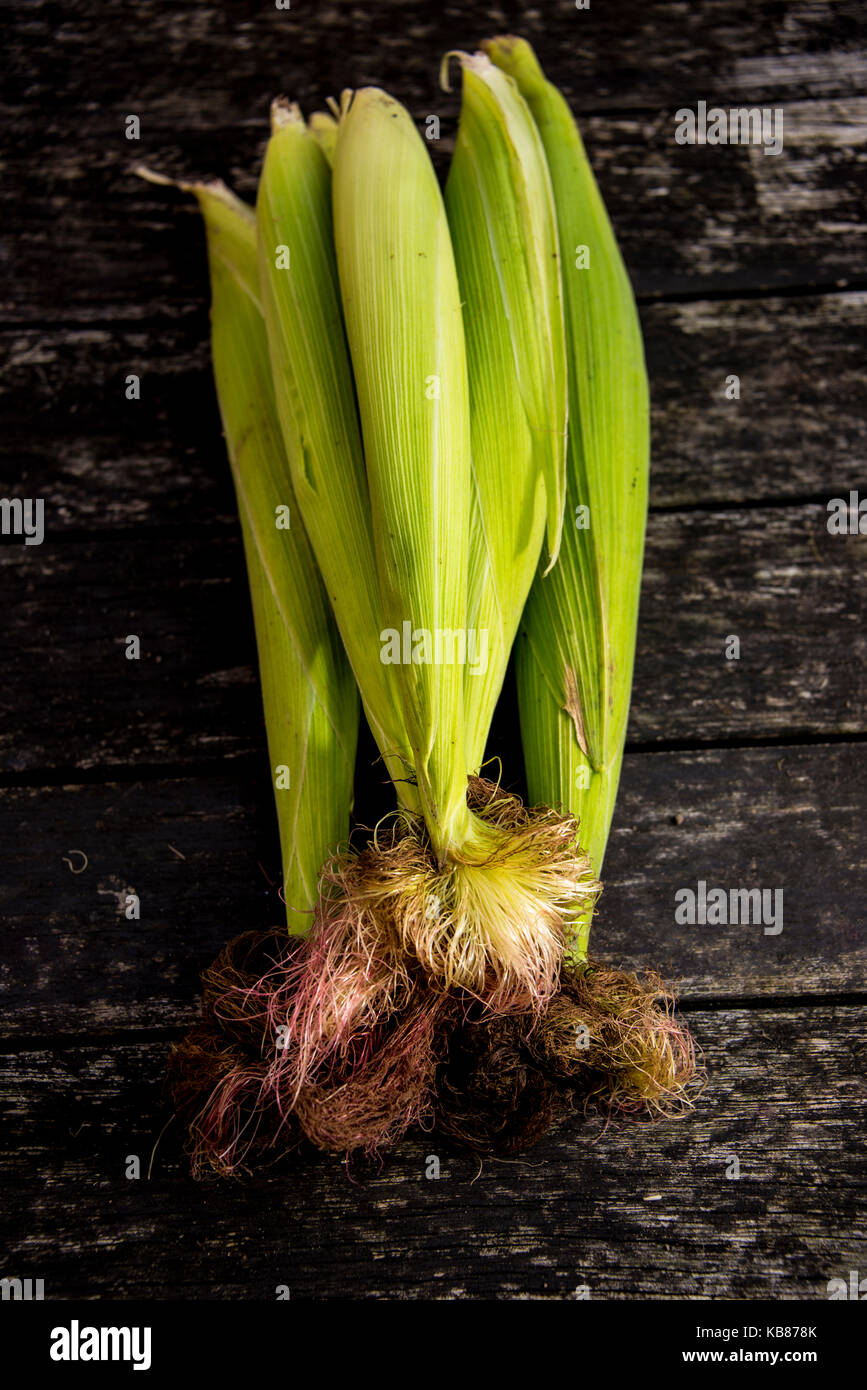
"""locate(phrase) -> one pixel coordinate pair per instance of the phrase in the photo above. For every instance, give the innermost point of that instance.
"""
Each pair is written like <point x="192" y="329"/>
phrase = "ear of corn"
<point x="323" y="128"/>
<point x="403" y="321"/>
<point x="501" y="214"/>
<point x="316" y="404"/>
<point x="311" y="704"/>
<point x="576" y="652"/>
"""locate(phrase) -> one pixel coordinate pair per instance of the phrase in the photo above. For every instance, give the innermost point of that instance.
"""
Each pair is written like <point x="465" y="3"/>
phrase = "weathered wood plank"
<point x="787" y="589"/>
<point x="772" y="577"/>
<point x="645" y="1213"/>
<point x="798" y="428"/>
<point x="181" y="65"/>
<point x="784" y="818"/>
<point x="70" y="952"/>
<point x="103" y="462"/>
<point x="631" y="1213"/>
<point x="75" y="606"/>
<point x="788" y="819"/>
<point x="92" y="243"/>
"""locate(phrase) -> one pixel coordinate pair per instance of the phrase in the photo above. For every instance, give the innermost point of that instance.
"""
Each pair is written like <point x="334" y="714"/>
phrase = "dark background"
<point x="749" y="773"/>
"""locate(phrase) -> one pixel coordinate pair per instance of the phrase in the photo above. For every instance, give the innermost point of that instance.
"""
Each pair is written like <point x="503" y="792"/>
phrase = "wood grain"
<point x="785" y="819"/>
<point x="632" y="1213"/>
<point x="772" y="577"/>
<point x="104" y="463"/>
<point x="183" y="63"/>
<point x="742" y="774"/>
<point x="91" y="243"/>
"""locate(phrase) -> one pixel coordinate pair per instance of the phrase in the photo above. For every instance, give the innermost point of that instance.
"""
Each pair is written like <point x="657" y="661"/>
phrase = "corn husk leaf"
<point x="576" y="651"/>
<point x="403" y="321"/>
<point x="323" y="128"/>
<point x="503" y="224"/>
<point x="316" y="404"/>
<point x="310" y="699"/>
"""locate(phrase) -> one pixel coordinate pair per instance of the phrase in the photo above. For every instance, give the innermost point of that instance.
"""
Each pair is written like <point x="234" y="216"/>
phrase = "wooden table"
<point x="741" y="773"/>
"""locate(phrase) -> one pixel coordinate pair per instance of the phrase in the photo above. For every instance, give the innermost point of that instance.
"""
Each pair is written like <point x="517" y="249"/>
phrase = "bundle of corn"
<point x="466" y="900"/>
<point x="416" y="355"/>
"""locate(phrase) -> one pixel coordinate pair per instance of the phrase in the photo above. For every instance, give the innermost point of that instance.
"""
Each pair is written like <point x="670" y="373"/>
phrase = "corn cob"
<point x="403" y="320"/>
<point x="501" y="214"/>
<point x="576" y="649"/>
<point x="311" y="704"/>
<point x="323" y="127"/>
<point x="316" y="404"/>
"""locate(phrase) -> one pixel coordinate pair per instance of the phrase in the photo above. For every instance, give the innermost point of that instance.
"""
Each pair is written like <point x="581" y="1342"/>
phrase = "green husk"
<point x="323" y="127"/>
<point x="503" y="225"/>
<point x="310" y="699"/>
<point x="403" y="322"/>
<point x="577" y="645"/>
<point x="316" y="404"/>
